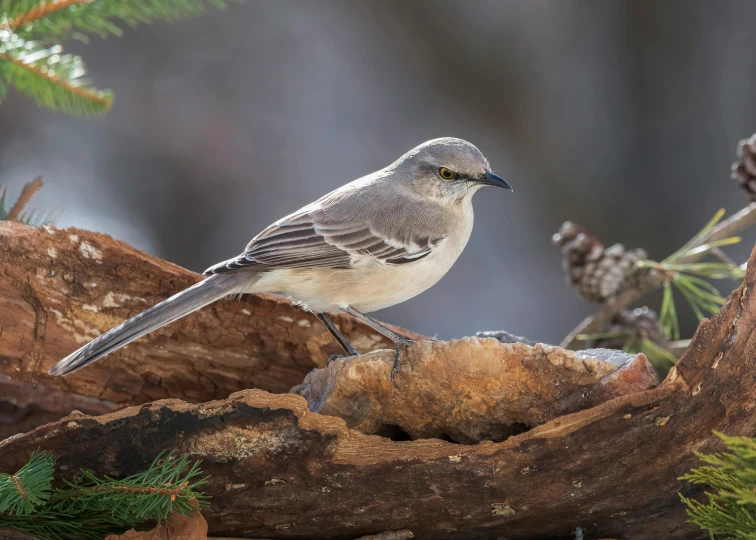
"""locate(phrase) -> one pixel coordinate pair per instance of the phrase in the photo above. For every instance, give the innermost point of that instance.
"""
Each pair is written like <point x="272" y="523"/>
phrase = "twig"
<point x="78" y="90"/>
<point x="26" y="194"/>
<point x="599" y="320"/>
<point x="717" y="253"/>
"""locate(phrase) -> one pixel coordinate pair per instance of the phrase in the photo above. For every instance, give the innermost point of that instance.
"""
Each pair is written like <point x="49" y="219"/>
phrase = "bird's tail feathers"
<point x="195" y="297"/>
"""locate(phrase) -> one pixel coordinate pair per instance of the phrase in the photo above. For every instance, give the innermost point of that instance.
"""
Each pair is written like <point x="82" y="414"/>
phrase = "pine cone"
<point x="598" y="273"/>
<point x="641" y="322"/>
<point x="744" y="169"/>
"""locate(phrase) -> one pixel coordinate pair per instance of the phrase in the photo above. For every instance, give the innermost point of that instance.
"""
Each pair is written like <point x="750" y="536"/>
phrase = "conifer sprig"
<point x="165" y="487"/>
<point x="690" y="278"/>
<point x="29" y="488"/>
<point x="731" y="509"/>
<point x="33" y="62"/>
<point x="78" y="18"/>
<point x="49" y="77"/>
<point x="93" y="507"/>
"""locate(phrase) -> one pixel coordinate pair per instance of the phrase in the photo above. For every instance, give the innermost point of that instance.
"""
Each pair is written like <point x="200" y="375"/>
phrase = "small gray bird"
<point x="373" y="243"/>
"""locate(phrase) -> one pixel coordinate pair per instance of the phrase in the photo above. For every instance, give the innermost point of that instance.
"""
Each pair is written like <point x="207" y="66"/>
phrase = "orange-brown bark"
<point x="61" y="288"/>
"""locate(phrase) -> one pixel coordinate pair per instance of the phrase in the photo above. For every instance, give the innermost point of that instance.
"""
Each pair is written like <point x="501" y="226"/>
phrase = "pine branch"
<point x="165" y="487"/>
<point x="23" y="492"/>
<point x="12" y="8"/>
<point x="46" y="20"/>
<point x="599" y="320"/>
<point x="94" y="507"/>
<point x="51" y="79"/>
<point x="731" y="510"/>
<point x="41" y="10"/>
<point x="27" y="193"/>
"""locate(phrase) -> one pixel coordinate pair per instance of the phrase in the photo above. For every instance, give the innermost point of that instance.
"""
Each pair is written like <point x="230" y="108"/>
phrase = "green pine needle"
<point x="94" y="507"/>
<point x="601" y="335"/>
<point x="23" y="492"/>
<point x="77" y="18"/>
<point x="660" y="357"/>
<point x="668" y="313"/>
<point x="52" y="79"/>
<point x="690" y="278"/>
<point x="13" y="8"/>
<point x="153" y="494"/>
<point x="37" y="218"/>
<point x="35" y="65"/>
<point x="731" y="475"/>
<point x="697" y="238"/>
<point x="706" y="248"/>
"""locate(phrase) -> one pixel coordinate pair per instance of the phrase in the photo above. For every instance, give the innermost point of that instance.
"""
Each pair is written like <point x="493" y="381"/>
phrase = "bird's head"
<point x="448" y="169"/>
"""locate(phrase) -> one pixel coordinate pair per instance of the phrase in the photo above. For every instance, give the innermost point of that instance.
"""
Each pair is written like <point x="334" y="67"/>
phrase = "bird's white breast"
<point x="370" y="285"/>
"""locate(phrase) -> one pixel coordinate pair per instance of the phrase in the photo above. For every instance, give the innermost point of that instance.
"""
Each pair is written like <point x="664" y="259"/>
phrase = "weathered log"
<point x="472" y="389"/>
<point x="61" y="288"/>
<point x="279" y="470"/>
<point x="25" y="406"/>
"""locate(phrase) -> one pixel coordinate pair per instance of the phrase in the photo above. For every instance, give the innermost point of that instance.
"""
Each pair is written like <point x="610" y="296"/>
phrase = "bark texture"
<point x="279" y="470"/>
<point x="61" y="288"/>
<point x="472" y="389"/>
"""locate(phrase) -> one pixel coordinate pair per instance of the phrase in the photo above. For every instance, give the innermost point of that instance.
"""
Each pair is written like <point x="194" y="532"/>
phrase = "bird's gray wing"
<point x="309" y="240"/>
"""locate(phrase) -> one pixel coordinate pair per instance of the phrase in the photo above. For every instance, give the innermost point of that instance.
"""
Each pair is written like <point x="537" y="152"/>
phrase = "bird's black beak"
<point x="490" y="179"/>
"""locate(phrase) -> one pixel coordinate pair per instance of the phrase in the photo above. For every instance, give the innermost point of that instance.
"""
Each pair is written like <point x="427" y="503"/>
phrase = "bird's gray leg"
<point x="400" y="342"/>
<point x="337" y="335"/>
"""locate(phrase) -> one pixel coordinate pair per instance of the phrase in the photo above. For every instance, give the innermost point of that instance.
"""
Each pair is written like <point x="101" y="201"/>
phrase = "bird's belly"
<point x="367" y="288"/>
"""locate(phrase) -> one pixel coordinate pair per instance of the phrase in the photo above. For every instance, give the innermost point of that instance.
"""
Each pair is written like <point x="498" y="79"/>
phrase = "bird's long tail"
<point x="195" y="297"/>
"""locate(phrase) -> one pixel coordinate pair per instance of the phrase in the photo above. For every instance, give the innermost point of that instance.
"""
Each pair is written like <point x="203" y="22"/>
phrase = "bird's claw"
<point x="333" y="357"/>
<point x="400" y="346"/>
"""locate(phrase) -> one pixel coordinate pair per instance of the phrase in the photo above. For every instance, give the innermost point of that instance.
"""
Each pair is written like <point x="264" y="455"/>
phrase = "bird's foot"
<point x="400" y="346"/>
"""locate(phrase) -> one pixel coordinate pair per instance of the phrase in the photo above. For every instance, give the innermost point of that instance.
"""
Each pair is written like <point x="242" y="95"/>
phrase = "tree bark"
<point x="25" y="406"/>
<point x="61" y="288"/>
<point x="278" y="470"/>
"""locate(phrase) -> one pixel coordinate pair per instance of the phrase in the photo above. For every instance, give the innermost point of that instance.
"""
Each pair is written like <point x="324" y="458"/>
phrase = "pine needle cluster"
<point x="93" y="507"/>
<point x="691" y="280"/>
<point x="731" y="475"/>
<point x="33" y="61"/>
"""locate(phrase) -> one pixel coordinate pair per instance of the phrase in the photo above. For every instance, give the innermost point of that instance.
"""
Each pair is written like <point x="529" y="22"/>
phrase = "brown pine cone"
<point x="744" y="169"/>
<point x="598" y="273"/>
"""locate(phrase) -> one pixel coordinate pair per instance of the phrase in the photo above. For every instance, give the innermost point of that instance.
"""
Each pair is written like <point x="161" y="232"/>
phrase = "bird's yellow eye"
<point x="446" y="174"/>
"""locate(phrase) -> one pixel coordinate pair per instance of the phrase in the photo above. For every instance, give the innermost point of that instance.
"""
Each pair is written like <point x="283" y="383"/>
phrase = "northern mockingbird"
<point x="370" y="244"/>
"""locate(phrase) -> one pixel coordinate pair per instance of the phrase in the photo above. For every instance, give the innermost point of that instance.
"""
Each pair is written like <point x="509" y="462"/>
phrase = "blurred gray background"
<point x="622" y="116"/>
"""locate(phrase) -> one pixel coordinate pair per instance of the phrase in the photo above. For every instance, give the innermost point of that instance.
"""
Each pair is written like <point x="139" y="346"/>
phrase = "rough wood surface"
<point x="471" y="389"/>
<point x="61" y="288"/>
<point x="25" y="406"/>
<point x="279" y="470"/>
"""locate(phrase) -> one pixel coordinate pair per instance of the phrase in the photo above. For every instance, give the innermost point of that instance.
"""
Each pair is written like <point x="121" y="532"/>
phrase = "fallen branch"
<point x="279" y="470"/>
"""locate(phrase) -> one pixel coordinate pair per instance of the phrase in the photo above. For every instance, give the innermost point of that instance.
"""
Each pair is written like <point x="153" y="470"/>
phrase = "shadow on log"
<point x="25" y="406"/>
<point x="62" y="288"/>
